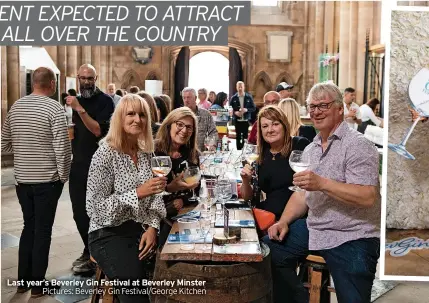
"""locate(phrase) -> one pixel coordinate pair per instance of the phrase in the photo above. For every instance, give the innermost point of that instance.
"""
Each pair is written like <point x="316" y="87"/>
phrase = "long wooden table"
<point x="247" y="249"/>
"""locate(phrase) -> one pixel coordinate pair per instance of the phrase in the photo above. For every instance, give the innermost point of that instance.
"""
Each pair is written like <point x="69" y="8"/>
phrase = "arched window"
<point x="209" y="70"/>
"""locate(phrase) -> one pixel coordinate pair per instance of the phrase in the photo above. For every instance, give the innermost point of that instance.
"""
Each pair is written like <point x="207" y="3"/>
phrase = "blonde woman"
<point x="153" y="111"/>
<point x="291" y="108"/>
<point x="274" y="174"/>
<point x="121" y="201"/>
<point x="177" y="138"/>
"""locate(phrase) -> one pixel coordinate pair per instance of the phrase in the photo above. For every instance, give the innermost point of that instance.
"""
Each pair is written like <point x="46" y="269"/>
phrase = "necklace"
<point x="273" y="155"/>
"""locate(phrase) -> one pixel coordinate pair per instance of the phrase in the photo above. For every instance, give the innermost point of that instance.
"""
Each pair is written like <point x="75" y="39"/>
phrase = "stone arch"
<point x="284" y="77"/>
<point x="131" y="78"/>
<point x="261" y="84"/>
<point x="153" y="75"/>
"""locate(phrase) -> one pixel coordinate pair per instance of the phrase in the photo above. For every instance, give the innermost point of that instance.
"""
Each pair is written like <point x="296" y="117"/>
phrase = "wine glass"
<point x="161" y="167"/>
<point x="205" y="224"/>
<point x="191" y="176"/>
<point x="298" y="161"/>
<point x="418" y="92"/>
<point x="210" y="143"/>
<point x="250" y="153"/>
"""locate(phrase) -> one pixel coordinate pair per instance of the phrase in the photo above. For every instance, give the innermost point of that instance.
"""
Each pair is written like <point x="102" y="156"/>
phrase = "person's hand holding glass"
<point x="299" y="162"/>
<point x="161" y="167"/>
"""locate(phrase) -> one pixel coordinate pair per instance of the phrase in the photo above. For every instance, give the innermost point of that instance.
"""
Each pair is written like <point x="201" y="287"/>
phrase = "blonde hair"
<point x="151" y="103"/>
<point x="273" y="113"/>
<point x="163" y="141"/>
<point x="291" y="108"/>
<point x="117" y="138"/>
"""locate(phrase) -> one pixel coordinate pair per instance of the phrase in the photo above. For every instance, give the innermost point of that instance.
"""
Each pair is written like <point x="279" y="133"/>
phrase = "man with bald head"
<point x="35" y="131"/>
<point x="111" y="91"/>
<point x="92" y="110"/>
<point x="270" y="98"/>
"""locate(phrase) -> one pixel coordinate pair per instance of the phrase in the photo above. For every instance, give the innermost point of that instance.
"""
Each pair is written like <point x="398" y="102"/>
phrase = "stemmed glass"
<point x="205" y="224"/>
<point x="298" y="161"/>
<point x="418" y="92"/>
<point x="191" y="176"/>
<point x="210" y="143"/>
<point x="161" y="167"/>
<point x="250" y="153"/>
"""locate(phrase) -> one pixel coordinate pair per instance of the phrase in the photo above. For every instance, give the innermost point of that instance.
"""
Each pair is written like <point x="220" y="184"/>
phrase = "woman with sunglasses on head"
<point x="274" y="174"/>
<point x="176" y="138"/>
<point x="120" y="199"/>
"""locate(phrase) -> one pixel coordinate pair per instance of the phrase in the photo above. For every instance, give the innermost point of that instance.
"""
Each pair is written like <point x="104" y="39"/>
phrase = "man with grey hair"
<point x="111" y="91"/>
<point x="91" y="115"/>
<point x="206" y="125"/>
<point x="343" y="203"/>
<point x="270" y="98"/>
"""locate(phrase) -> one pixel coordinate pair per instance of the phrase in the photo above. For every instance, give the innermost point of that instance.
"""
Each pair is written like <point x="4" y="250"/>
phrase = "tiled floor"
<point x="67" y="246"/>
<point x="415" y="262"/>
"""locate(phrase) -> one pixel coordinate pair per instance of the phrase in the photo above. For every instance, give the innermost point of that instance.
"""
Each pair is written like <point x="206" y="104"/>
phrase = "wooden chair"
<point x="98" y="288"/>
<point x="318" y="280"/>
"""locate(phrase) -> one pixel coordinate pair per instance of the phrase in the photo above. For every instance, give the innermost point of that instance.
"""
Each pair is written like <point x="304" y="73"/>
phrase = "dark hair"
<point x="72" y="92"/>
<point x="373" y="103"/>
<point x="220" y="99"/>
<point x="134" y="89"/>
<point x="349" y="90"/>
<point x="63" y="97"/>
<point x="160" y="104"/>
<point x="119" y="92"/>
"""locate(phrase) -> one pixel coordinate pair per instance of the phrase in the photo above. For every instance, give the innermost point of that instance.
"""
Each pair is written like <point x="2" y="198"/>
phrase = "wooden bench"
<point x="100" y="290"/>
<point x="318" y="280"/>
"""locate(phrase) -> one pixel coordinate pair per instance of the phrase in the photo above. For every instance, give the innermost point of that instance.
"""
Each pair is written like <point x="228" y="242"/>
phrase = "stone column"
<point x="72" y="61"/>
<point x="110" y="66"/>
<point x="13" y="77"/>
<point x="62" y="66"/>
<point x="353" y="36"/>
<point x="376" y="24"/>
<point x="309" y="53"/>
<point x="103" y="79"/>
<point x="319" y="37"/>
<point x="86" y="54"/>
<point x="52" y="52"/>
<point x="79" y="57"/>
<point x="337" y="22"/>
<point x="95" y="59"/>
<point x="344" y="45"/>
<point x="366" y="9"/>
<point x="329" y="28"/>
<point x="3" y="80"/>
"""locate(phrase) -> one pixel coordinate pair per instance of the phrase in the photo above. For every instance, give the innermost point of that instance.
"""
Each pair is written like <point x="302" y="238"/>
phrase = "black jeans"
<point x="77" y="189"/>
<point x="352" y="266"/>
<point x="241" y="131"/>
<point x="115" y="249"/>
<point x="39" y="205"/>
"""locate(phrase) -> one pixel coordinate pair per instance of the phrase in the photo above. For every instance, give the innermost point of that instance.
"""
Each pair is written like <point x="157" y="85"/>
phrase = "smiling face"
<point x="272" y="131"/>
<point x="325" y="114"/>
<point x="181" y="130"/>
<point x="134" y="121"/>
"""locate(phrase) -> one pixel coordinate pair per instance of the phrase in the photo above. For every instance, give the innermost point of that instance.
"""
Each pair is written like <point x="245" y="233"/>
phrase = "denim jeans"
<point x="352" y="266"/>
<point x="39" y="205"/>
<point x="115" y="249"/>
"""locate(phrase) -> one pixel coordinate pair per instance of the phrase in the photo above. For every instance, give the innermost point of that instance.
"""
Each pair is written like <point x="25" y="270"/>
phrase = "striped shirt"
<point x="35" y="131"/>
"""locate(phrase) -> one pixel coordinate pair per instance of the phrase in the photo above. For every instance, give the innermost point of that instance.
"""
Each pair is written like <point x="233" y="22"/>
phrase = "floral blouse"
<point x="111" y="197"/>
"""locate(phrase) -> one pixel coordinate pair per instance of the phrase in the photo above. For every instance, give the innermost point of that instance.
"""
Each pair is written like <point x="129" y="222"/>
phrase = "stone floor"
<point x="67" y="246"/>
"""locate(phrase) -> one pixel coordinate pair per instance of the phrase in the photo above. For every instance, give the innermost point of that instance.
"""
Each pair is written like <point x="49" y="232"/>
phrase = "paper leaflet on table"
<point x="177" y="239"/>
<point x="193" y="214"/>
<point x="236" y="223"/>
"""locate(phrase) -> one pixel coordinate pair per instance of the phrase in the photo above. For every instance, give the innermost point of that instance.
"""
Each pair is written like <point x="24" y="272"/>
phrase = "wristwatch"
<point x="82" y="111"/>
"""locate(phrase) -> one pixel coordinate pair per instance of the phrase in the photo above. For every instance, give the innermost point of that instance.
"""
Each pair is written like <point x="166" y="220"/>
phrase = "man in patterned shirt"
<point x="206" y="125"/>
<point x="343" y="203"/>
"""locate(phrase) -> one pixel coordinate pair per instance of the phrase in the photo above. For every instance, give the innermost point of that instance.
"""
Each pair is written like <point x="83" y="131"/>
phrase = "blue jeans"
<point x="352" y="266"/>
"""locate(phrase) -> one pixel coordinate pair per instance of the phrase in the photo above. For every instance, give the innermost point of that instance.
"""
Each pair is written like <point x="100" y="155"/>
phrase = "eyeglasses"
<point x="181" y="125"/>
<point x="89" y="79"/>
<point x="322" y="106"/>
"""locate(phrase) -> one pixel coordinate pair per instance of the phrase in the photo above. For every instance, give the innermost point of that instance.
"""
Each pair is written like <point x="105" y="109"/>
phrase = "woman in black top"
<point x="291" y="108"/>
<point x="274" y="174"/>
<point x="176" y="138"/>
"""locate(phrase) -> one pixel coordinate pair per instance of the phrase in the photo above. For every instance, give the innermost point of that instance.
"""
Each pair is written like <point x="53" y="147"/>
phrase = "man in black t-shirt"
<point x="92" y="110"/>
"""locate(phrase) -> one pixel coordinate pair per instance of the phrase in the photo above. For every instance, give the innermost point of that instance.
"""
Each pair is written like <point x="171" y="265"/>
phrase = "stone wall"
<point x="407" y="180"/>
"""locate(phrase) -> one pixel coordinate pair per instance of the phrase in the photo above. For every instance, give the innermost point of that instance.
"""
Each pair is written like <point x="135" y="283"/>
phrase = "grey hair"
<point x="189" y="89"/>
<point x="322" y="90"/>
<point x="203" y="90"/>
